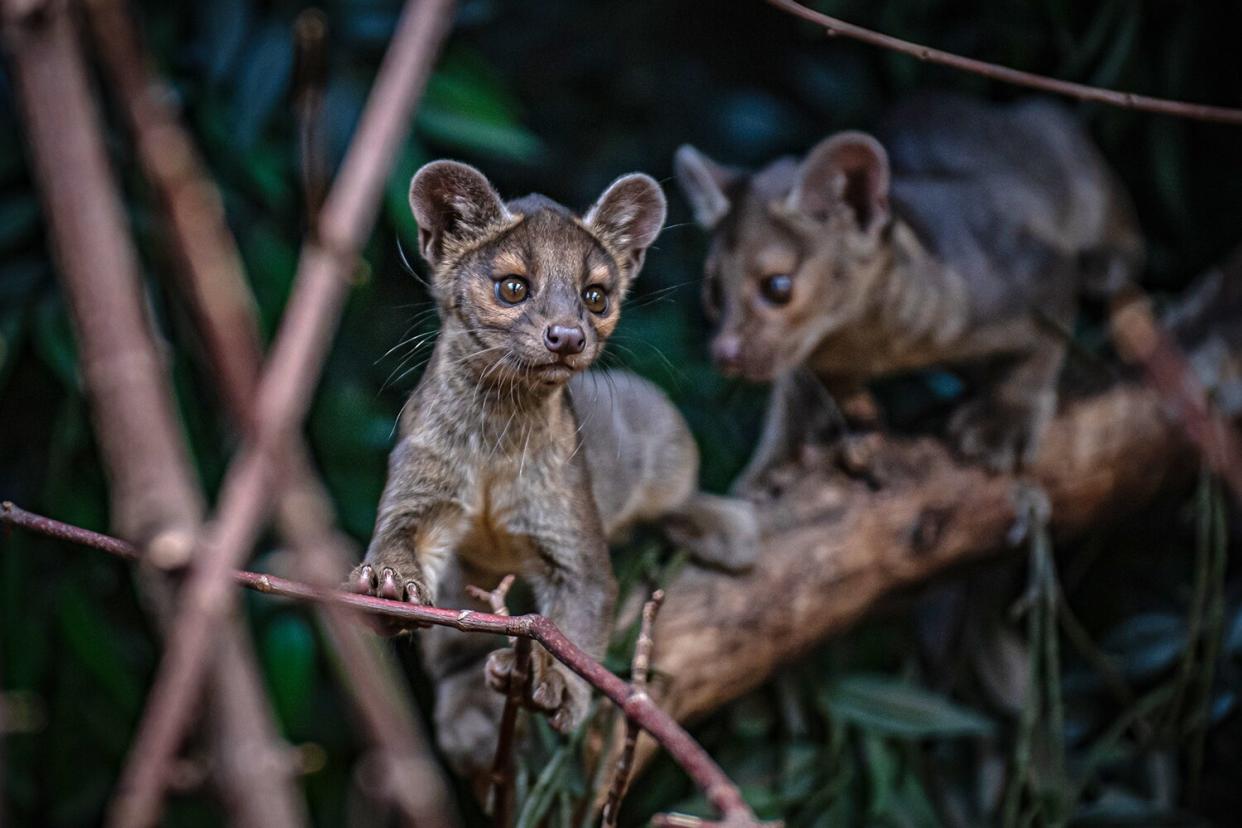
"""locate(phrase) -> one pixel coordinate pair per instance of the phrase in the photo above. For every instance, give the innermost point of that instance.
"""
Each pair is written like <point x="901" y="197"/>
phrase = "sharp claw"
<point x="388" y="586"/>
<point x="412" y="593"/>
<point x="365" y="580"/>
<point x="561" y="721"/>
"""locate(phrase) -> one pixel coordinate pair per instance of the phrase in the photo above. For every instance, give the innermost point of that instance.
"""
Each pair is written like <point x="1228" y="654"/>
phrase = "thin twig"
<point x="281" y="401"/>
<point x="638" y="676"/>
<point x="721" y="793"/>
<point x="500" y="794"/>
<point x="310" y="36"/>
<point x="1126" y="100"/>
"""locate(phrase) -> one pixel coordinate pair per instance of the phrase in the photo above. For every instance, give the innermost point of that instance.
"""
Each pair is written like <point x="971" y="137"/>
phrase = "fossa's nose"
<point x="565" y="340"/>
<point x="727" y="353"/>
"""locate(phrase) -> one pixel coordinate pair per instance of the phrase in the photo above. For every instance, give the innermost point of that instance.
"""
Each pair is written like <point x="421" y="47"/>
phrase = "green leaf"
<point x="96" y="649"/>
<point x="1147" y="643"/>
<point x="888" y="706"/>
<point x="289" y="659"/>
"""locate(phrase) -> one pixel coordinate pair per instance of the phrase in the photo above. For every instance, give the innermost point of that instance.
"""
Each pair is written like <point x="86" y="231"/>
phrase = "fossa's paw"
<point x="553" y="689"/>
<point x="391" y="583"/>
<point x="1003" y="438"/>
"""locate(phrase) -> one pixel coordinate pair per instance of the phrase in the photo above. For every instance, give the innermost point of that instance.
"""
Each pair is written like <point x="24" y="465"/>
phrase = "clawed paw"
<point x="390" y="583"/>
<point x="553" y="690"/>
<point x="1002" y="439"/>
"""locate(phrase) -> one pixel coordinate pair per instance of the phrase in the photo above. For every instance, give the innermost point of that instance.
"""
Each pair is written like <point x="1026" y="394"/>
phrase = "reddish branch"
<point x="1143" y="341"/>
<point x="281" y="401"/>
<point x="638" y="676"/>
<point x="226" y="317"/>
<point x="193" y="208"/>
<point x="994" y="71"/>
<point x="637" y="707"/>
<point x="155" y="499"/>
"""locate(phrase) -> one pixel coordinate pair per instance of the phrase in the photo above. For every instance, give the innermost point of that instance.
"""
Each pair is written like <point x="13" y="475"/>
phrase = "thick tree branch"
<point x="226" y="317"/>
<point x="1127" y="100"/>
<point x="638" y="707"/>
<point x="155" y="498"/>
<point x="281" y="401"/>
<point x="833" y="547"/>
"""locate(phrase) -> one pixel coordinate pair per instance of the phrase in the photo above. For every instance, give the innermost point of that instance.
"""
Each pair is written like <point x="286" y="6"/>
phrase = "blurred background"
<point x="890" y="724"/>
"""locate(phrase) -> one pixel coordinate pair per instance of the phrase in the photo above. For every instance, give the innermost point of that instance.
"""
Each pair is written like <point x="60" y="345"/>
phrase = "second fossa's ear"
<point x="703" y="183"/>
<point x="628" y="217"/>
<point x="849" y="168"/>
<point x="453" y="204"/>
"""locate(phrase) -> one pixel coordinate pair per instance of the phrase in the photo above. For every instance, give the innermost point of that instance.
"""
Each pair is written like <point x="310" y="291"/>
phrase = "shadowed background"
<point x="560" y="97"/>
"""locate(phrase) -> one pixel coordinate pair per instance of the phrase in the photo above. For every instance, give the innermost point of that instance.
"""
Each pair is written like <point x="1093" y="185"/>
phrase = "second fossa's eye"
<point x="777" y="289"/>
<point x="512" y="289"/>
<point x="595" y="298"/>
<point x="715" y="296"/>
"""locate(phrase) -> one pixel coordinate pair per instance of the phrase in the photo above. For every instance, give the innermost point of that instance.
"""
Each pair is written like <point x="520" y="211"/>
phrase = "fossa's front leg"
<point x="415" y="530"/>
<point x="1003" y="427"/>
<point x="802" y="414"/>
<point x="572" y="579"/>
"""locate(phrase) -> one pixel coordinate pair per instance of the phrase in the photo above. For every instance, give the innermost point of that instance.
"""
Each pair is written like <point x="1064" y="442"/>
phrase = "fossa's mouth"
<point x="556" y="372"/>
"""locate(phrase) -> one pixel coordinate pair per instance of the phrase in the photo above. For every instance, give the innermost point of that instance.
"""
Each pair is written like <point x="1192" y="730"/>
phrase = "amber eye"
<point x="512" y="289"/>
<point x="595" y="298"/>
<point x="777" y="289"/>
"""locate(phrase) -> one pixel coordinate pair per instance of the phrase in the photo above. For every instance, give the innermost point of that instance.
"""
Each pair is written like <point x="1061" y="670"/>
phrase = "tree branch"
<point x="155" y="498"/>
<point x="226" y="317"/>
<point x="1125" y="100"/>
<point x="281" y="400"/>
<point x="638" y="707"/>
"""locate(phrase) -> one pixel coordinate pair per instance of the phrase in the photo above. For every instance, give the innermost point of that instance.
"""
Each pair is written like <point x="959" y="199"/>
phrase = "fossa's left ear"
<point x="628" y="217"/>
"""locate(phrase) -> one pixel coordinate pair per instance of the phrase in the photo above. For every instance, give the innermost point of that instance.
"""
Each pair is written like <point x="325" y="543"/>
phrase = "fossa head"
<point x="796" y="249"/>
<point x="532" y="290"/>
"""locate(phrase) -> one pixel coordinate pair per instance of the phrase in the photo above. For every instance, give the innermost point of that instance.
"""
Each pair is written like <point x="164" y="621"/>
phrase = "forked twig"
<point x="281" y="400"/>
<point x="638" y="677"/>
<point x="214" y="286"/>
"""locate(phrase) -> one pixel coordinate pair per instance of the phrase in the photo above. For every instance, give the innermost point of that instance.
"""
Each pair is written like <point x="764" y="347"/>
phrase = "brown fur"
<point x="956" y="240"/>
<point x="499" y="442"/>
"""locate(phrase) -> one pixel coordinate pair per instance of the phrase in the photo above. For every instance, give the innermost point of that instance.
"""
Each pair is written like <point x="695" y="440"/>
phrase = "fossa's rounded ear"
<point x="848" y="168"/>
<point x="453" y="204"/>
<point x="703" y="183"/>
<point x="628" y="217"/>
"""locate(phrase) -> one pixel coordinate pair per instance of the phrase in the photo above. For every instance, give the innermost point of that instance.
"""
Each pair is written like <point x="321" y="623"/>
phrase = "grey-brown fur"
<point x="500" y="441"/>
<point x="963" y="235"/>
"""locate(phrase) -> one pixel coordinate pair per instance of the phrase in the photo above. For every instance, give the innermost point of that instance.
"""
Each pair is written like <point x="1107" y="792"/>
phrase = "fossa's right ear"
<point x="849" y="168"/>
<point x="453" y="204"/>
<point x="703" y="183"/>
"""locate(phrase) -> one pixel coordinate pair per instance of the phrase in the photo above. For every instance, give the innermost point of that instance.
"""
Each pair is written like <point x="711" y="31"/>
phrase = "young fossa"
<point x="962" y="236"/>
<point x="511" y="459"/>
